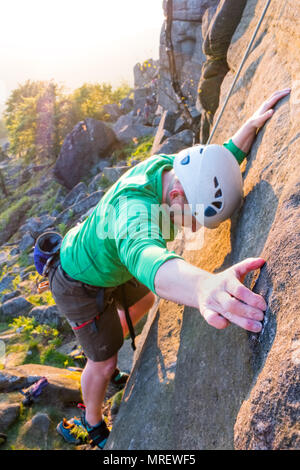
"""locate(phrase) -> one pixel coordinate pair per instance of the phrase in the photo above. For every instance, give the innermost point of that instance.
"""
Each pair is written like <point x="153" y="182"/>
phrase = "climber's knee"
<point x="105" y="369"/>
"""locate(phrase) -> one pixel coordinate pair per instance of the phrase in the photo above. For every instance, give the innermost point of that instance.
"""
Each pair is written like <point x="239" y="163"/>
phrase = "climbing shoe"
<point x="119" y="378"/>
<point x="98" y="434"/>
<point x="72" y="431"/>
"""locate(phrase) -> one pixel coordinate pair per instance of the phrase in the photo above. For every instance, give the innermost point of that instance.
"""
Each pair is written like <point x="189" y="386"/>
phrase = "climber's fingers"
<point x="225" y="299"/>
<point x="214" y="319"/>
<point x="245" y="323"/>
<point x="241" y="314"/>
<point x="265" y="111"/>
<point x="235" y="288"/>
<point x="241" y="269"/>
<point x="273" y="99"/>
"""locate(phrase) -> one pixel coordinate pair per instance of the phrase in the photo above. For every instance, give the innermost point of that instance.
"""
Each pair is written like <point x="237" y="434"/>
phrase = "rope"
<point x="239" y="71"/>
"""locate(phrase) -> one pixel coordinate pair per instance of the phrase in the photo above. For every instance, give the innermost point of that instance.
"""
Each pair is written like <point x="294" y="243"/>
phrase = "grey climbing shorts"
<point x="103" y="337"/>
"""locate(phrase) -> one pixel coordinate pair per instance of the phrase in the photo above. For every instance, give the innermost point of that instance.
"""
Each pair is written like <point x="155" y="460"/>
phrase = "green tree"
<point x="39" y="114"/>
<point x="21" y="117"/>
<point x="89" y="100"/>
<point x="3" y="130"/>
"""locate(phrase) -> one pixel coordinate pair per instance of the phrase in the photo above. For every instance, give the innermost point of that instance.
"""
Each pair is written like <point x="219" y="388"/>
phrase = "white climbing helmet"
<point x="210" y="175"/>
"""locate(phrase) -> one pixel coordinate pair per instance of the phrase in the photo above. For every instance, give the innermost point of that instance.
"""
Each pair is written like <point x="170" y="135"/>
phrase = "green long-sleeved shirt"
<point x="123" y="237"/>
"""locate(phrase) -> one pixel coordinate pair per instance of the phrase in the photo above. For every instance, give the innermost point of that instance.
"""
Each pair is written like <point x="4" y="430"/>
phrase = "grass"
<point x="38" y="342"/>
<point x="15" y="436"/>
<point x="3" y="326"/>
<point x="143" y="149"/>
<point x="138" y="149"/>
<point x="23" y="259"/>
<point x="45" y="298"/>
<point x="9" y="212"/>
<point x="62" y="229"/>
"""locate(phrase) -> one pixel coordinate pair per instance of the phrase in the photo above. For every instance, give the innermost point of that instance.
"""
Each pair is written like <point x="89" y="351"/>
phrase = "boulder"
<point x="10" y="295"/>
<point x="48" y="314"/>
<point x="126" y="105"/>
<point x="174" y="144"/>
<point x="6" y="282"/>
<point x="78" y="209"/>
<point x="84" y="145"/>
<point x="35" y="431"/>
<point x="16" y="307"/>
<point x="95" y="183"/>
<point x="145" y="73"/>
<point x="11" y="226"/>
<point x="113" y="111"/>
<point x="129" y="127"/>
<point x="9" y="413"/>
<point x="165" y="129"/>
<point x="35" y="226"/>
<point x="12" y="380"/>
<point x="114" y="173"/>
<point x="26" y="242"/>
<point x="3" y="257"/>
<point x="71" y="197"/>
<point x="63" y="387"/>
<point x="186" y="137"/>
<point x="140" y="96"/>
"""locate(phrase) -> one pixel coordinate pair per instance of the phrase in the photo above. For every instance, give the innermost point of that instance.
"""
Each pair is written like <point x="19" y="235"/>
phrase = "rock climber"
<point x="118" y="258"/>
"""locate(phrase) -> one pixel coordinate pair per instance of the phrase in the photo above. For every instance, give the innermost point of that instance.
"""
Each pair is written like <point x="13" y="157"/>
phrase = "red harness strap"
<point x="77" y="327"/>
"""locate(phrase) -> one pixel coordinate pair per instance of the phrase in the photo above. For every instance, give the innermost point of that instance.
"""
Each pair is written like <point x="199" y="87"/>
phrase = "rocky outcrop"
<point x="194" y="387"/>
<point x="82" y="148"/>
<point x="190" y="20"/>
<point x="215" y="46"/>
<point x="129" y="127"/>
<point x="15" y="307"/>
<point x="8" y="415"/>
<point x="10" y="226"/>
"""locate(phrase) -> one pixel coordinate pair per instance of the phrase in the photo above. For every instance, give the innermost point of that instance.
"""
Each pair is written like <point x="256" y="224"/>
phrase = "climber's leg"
<point x="94" y="380"/>
<point x="136" y="311"/>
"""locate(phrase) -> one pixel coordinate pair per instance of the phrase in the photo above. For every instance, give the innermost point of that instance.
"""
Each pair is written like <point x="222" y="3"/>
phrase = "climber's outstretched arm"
<point x="221" y="298"/>
<point x="245" y="136"/>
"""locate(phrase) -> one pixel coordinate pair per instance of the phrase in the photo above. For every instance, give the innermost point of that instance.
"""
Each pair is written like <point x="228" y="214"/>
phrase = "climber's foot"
<point x="67" y="429"/>
<point x="98" y="434"/>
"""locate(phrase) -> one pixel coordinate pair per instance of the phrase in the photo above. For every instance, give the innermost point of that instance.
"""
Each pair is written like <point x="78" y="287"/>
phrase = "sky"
<point x="73" y="42"/>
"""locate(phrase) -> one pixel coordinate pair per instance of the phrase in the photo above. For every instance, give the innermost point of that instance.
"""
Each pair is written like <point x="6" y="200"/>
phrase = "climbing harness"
<point x="128" y="319"/>
<point x="239" y="71"/>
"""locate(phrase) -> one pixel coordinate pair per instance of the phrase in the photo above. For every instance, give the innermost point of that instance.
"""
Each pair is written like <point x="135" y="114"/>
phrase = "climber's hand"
<point x="224" y="299"/>
<point x="265" y="111"/>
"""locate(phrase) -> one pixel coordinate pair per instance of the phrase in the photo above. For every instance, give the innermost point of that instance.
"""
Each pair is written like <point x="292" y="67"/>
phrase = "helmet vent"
<point x="217" y="204"/>
<point x="210" y="211"/>
<point x="185" y="160"/>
